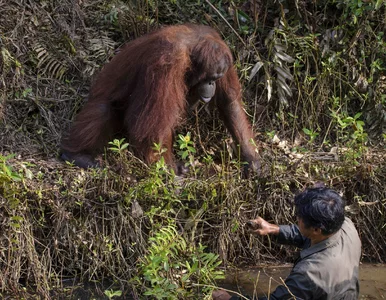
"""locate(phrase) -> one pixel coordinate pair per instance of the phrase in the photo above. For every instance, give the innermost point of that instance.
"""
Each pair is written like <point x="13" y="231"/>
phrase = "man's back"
<point x="327" y="270"/>
<point x="328" y="266"/>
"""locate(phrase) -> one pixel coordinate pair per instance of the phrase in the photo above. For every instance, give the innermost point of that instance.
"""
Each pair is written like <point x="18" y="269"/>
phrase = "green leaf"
<point x="307" y="131"/>
<point x="379" y="4"/>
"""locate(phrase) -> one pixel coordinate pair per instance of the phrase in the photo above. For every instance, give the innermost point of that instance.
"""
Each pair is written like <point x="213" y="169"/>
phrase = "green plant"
<point x="111" y="293"/>
<point x="271" y="134"/>
<point x="172" y="268"/>
<point x="352" y="134"/>
<point x="187" y="149"/>
<point x="161" y="185"/>
<point x="358" y="8"/>
<point x="312" y="134"/>
<point x="6" y="172"/>
<point x="157" y="183"/>
<point x="354" y="124"/>
<point x="10" y="181"/>
<point x="118" y="146"/>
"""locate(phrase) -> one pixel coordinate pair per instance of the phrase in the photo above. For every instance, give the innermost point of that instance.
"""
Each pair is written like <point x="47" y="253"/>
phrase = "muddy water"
<point x="259" y="281"/>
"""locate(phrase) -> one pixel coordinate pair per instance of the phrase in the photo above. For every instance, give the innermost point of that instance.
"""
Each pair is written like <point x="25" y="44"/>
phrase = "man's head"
<point x="320" y="208"/>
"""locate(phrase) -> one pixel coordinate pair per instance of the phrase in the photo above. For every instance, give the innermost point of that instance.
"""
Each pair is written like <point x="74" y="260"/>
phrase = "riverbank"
<point x="261" y="280"/>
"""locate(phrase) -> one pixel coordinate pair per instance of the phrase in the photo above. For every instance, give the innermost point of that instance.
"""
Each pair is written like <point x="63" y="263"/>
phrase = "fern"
<point x="48" y="63"/>
<point x="172" y="267"/>
<point x="101" y="49"/>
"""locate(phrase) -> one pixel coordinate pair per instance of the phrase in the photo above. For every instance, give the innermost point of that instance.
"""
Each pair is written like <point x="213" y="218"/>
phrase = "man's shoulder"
<point x="349" y="228"/>
<point x="348" y="222"/>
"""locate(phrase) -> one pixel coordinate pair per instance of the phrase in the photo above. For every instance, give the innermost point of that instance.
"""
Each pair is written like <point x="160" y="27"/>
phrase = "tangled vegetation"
<point x="313" y="75"/>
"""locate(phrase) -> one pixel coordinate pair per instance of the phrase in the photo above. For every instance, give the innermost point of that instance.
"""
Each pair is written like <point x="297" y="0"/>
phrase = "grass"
<point x="313" y="89"/>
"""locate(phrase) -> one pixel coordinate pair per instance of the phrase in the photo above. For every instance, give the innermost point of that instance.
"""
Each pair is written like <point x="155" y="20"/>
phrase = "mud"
<point x="261" y="280"/>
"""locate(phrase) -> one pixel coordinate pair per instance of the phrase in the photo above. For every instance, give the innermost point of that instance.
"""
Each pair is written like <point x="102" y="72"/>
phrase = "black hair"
<point x="320" y="208"/>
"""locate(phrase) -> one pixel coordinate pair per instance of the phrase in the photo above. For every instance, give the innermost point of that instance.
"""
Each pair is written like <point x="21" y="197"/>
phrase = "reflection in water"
<point x="260" y="281"/>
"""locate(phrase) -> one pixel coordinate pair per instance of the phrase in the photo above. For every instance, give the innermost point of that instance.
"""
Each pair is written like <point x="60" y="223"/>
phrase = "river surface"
<point x="260" y="280"/>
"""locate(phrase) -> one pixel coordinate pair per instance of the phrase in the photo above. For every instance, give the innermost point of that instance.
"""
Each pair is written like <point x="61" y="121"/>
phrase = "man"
<point x="327" y="267"/>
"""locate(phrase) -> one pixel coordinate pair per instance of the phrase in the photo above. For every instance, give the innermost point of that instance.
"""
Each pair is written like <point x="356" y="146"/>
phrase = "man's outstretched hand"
<point x="259" y="226"/>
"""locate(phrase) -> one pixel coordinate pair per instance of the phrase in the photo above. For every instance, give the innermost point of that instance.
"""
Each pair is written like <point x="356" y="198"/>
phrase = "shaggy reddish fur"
<point x="143" y="92"/>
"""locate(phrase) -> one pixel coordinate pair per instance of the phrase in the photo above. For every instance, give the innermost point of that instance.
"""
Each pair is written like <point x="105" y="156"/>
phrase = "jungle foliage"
<point x="313" y="75"/>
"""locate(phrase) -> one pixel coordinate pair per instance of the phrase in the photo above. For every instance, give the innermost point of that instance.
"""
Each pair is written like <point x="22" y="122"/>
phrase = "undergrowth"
<point x="314" y="88"/>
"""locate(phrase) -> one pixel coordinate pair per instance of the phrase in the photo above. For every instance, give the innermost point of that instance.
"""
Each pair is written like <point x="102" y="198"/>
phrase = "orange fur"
<point x="142" y="93"/>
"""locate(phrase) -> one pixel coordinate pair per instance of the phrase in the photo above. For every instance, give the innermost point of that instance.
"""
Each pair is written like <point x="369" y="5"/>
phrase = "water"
<point x="259" y="281"/>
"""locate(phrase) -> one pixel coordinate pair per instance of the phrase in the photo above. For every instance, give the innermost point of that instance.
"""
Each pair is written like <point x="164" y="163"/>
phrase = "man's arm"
<point x="290" y="235"/>
<point x="285" y="234"/>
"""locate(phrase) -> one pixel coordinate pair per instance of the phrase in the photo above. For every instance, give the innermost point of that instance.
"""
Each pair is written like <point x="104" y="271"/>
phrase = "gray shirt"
<point x="324" y="271"/>
<point x="327" y="270"/>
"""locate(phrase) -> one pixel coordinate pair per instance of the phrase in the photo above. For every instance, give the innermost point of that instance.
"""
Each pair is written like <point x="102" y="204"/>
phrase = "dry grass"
<point x="61" y="223"/>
